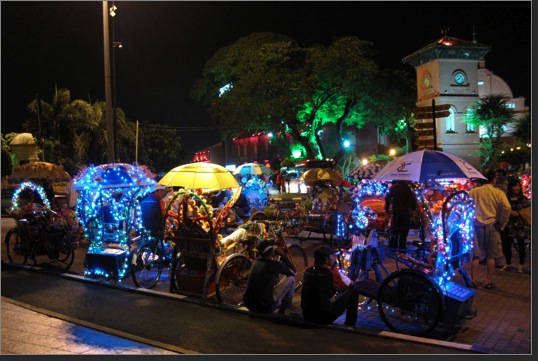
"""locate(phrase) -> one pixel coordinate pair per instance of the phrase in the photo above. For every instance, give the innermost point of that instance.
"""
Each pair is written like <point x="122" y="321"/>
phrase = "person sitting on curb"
<point x="320" y="302"/>
<point x="265" y="293"/>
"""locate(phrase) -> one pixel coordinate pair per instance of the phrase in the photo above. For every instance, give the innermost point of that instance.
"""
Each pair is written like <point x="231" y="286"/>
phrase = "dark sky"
<point x="166" y="44"/>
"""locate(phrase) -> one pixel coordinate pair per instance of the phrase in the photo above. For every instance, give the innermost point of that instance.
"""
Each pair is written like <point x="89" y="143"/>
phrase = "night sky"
<point x="166" y="44"/>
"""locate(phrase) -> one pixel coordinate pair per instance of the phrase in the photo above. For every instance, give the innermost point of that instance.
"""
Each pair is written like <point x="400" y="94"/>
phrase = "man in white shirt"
<point x="492" y="211"/>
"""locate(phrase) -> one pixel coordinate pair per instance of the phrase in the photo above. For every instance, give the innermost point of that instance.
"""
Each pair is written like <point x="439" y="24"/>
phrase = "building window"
<point x="469" y="128"/>
<point x="450" y="123"/>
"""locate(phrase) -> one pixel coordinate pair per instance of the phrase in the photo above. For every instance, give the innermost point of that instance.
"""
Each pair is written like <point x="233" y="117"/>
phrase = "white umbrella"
<point x="252" y="168"/>
<point x="199" y="175"/>
<point x="427" y="164"/>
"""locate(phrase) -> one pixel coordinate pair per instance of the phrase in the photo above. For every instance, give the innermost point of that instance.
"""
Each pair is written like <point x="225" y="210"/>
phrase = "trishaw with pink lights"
<point x="46" y="233"/>
<point x="425" y="289"/>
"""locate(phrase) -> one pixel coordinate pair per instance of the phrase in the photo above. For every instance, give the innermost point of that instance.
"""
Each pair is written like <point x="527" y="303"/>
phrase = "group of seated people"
<point x="326" y="293"/>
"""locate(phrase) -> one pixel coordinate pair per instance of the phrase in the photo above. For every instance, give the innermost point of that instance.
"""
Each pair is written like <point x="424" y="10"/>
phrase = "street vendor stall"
<point x="109" y="211"/>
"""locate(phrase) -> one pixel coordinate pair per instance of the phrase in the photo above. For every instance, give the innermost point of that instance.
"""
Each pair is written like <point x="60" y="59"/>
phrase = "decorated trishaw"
<point x="47" y="233"/>
<point x="108" y="208"/>
<point x="193" y="228"/>
<point x="431" y="285"/>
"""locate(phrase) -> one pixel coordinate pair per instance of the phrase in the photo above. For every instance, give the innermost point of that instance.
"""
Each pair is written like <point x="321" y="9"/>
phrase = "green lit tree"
<point x="491" y="114"/>
<point x="268" y="82"/>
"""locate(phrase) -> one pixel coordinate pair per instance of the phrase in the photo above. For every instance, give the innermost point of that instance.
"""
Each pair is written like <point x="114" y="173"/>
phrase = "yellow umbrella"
<point x="199" y="175"/>
<point x="252" y="168"/>
<point x="313" y="175"/>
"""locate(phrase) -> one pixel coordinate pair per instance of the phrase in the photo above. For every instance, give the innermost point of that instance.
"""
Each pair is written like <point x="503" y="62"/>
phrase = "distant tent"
<point x="23" y="149"/>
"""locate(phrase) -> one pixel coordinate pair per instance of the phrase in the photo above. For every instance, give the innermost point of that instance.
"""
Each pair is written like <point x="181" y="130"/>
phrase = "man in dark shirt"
<point x="265" y="293"/>
<point x="403" y="201"/>
<point x="152" y="208"/>
<point x="319" y="301"/>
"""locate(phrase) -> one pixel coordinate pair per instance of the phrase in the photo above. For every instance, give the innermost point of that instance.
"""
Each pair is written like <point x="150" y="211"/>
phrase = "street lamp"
<point x="115" y="44"/>
<point x="108" y="91"/>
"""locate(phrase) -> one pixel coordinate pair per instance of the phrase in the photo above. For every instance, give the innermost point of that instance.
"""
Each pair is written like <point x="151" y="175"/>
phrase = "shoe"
<point x="520" y="269"/>
<point x="473" y="285"/>
<point x="489" y="286"/>
<point x="506" y="267"/>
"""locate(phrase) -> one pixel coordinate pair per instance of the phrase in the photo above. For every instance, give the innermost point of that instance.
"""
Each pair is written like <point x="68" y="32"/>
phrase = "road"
<point x="207" y="327"/>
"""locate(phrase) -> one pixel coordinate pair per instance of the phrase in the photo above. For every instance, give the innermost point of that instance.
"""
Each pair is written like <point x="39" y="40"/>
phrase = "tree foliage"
<point x="74" y="133"/>
<point x="279" y="86"/>
<point x="492" y="115"/>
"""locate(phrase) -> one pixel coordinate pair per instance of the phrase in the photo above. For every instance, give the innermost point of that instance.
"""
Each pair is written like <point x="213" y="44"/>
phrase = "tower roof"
<point x="447" y="48"/>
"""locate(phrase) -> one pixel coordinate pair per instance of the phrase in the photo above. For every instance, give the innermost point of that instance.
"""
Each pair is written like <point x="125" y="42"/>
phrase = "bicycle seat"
<point x="251" y="241"/>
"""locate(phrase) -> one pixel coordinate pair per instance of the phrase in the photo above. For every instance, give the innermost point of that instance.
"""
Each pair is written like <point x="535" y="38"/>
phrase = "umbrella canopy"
<point x="252" y="168"/>
<point x="199" y="175"/>
<point x="366" y="171"/>
<point x="427" y="164"/>
<point x="314" y="175"/>
<point x="39" y="170"/>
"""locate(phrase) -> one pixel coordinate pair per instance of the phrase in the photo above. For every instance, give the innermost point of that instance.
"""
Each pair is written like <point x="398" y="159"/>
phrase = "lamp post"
<point x="108" y="90"/>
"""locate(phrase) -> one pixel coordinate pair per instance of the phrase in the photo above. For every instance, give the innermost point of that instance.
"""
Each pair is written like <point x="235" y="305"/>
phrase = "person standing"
<point x="325" y="295"/>
<point x="152" y="208"/>
<point x="492" y="211"/>
<point x="265" y="293"/>
<point x="500" y="180"/>
<point x="521" y="207"/>
<point x="400" y="202"/>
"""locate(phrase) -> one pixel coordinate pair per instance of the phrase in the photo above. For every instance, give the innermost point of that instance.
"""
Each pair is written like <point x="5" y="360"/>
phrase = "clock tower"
<point x="447" y="73"/>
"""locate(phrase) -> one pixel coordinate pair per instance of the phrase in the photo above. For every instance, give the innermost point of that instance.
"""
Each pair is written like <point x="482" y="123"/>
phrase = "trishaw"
<point x="109" y="211"/>
<point x="430" y="287"/>
<point x="203" y="266"/>
<point x="46" y="233"/>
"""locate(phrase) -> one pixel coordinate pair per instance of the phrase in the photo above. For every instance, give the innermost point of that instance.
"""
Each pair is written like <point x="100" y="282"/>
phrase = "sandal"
<point x="489" y="286"/>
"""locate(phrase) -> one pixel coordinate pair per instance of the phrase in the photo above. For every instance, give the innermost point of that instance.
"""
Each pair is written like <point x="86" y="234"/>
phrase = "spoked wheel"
<point x="53" y="249"/>
<point x="64" y="247"/>
<point x="231" y="279"/>
<point x="17" y="250"/>
<point x="409" y="302"/>
<point x="147" y="265"/>
<point x="298" y="257"/>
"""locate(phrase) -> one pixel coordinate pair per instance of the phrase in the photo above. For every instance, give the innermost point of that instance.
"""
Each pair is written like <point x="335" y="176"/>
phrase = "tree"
<point x="268" y="82"/>
<point x="492" y="115"/>
<point x="73" y="133"/>
<point x="522" y="129"/>
<point x="7" y="162"/>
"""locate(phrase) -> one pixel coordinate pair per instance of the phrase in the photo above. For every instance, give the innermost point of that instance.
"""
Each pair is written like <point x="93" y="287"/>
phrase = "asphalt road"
<point x="196" y="326"/>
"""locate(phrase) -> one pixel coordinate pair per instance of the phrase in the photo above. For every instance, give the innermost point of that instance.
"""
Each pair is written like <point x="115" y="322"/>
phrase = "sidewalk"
<point x="29" y="332"/>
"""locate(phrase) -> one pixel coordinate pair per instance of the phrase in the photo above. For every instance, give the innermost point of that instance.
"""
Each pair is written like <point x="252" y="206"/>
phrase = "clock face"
<point x="426" y="82"/>
<point x="459" y="78"/>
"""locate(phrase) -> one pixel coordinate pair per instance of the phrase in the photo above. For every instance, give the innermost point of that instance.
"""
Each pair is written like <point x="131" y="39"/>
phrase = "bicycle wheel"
<point x="65" y="247"/>
<point x="147" y="265"/>
<point x="17" y="248"/>
<point x="231" y="279"/>
<point x="409" y="302"/>
<point x="298" y="257"/>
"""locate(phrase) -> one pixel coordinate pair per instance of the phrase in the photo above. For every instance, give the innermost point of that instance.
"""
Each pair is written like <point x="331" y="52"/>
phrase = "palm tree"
<point x="492" y="115"/>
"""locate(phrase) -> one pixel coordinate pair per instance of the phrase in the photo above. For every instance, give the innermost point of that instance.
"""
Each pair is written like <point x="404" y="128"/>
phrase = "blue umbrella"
<point x="426" y="164"/>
